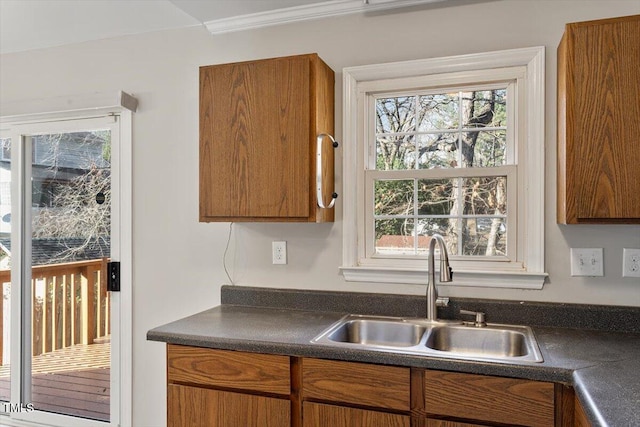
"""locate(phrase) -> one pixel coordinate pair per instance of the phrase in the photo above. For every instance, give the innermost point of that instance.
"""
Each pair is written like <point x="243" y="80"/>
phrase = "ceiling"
<point x="35" y="24"/>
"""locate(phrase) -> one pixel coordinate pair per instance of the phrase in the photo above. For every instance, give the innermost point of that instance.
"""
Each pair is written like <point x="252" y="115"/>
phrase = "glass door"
<point x="61" y="365"/>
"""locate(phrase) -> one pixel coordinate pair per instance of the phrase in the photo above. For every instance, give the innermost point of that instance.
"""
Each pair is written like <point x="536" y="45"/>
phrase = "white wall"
<point x="178" y="261"/>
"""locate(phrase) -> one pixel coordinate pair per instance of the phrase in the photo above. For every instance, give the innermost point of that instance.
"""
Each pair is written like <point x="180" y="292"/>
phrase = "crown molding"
<point x="305" y="13"/>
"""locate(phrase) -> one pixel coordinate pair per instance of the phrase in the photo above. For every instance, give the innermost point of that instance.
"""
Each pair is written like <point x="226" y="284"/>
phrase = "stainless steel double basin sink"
<point x="415" y="336"/>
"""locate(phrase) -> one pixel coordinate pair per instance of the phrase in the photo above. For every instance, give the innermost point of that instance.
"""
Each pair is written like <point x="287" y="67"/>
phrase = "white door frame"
<point x="121" y="344"/>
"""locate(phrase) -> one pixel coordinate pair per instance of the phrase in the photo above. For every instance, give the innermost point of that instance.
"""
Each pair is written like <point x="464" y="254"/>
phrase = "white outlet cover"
<point x="279" y="252"/>
<point x="630" y="262"/>
<point x="587" y="262"/>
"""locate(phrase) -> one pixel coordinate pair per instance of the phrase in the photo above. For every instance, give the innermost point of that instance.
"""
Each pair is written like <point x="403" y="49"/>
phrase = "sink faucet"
<point x="446" y="274"/>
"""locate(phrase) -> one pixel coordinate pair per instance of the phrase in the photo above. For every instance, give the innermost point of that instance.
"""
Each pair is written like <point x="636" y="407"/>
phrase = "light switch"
<point x="587" y="262"/>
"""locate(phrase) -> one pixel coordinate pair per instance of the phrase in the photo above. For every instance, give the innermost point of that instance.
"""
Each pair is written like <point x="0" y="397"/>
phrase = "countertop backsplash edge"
<point x="541" y="314"/>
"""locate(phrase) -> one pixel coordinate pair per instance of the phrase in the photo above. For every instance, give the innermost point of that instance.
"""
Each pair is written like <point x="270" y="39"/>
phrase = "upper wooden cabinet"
<point x="259" y="127"/>
<point x="599" y="122"/>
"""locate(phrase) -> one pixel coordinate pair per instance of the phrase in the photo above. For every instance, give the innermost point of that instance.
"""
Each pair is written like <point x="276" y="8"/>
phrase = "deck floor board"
<point x="72" y="381"/>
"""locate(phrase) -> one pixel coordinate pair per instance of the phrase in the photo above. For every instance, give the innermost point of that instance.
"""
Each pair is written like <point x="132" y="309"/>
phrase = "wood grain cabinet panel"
<point x="580" y="419"/>
<point x="258" y="126"/>
<point x="230" y="369"/>
<point x="322" y="415"/>
<point x="599" y="122"/>
<point x="489" y="399"/>
<point x="353" y="383"/>
<point x="201" y="407"/>
<point x="442" y="423"/>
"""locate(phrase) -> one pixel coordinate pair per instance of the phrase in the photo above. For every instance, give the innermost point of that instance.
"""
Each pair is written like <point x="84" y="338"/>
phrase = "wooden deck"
<point x="71" y="381"/>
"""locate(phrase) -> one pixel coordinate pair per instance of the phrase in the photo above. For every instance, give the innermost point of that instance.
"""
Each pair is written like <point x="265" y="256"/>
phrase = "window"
<point x="454" y="146"/>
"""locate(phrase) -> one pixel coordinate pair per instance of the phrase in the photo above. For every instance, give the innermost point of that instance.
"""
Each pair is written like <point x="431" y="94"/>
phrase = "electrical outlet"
<point x="630" y="262"/>
<point x="279" y="252"/>
<point x="587" y="262"/>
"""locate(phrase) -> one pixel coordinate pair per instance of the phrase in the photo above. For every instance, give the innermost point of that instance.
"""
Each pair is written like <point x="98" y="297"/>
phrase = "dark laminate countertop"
<point x="602" y="366"/>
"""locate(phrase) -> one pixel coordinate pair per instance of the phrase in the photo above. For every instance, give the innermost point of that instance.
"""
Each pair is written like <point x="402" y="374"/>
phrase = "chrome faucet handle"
<point x="442" y="302"/>
<point x="479" y="321"/>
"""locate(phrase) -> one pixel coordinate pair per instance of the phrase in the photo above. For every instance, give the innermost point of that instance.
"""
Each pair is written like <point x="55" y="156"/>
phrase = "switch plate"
<point x="279" y="252"/>
<point x="630" y="262"/>
<point x="587" y="262"/>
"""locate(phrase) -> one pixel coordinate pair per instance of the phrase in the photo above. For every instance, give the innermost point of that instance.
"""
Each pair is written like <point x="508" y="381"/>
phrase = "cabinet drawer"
<point x="486" y="398"/>
<point x="232" y="369"/>
<point x="356" y="383"/>
<point x="318" y="414"/>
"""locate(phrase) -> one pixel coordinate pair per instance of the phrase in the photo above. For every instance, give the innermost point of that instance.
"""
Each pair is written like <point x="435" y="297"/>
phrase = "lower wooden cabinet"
<point x="318" y="414"/>
<point x="200" y="407"/>
<point x="219" y="388"/>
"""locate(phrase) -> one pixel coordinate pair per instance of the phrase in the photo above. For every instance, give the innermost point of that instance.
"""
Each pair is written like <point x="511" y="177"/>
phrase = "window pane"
<point x="485" y="195"/>
<point x="446" y="227"/>
<point x="395" y="152"/>
<point x="484" y="108"/>
<point x="484" y="149"/>
<point x="484" y="236"/>
<point x="70" y="240"/>
<point x="5" y="144"/>
<point x="438" y="150"/>
<point x="394" y="236"/>
<point x="436" y="197"/>
<point x="393" y="197"/>
<point x="437" y="112"/>
<point x="395" y="114"/>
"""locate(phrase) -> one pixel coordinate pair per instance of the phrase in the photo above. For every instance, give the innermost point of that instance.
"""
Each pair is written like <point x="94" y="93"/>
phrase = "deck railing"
<point x="71" y="305"/>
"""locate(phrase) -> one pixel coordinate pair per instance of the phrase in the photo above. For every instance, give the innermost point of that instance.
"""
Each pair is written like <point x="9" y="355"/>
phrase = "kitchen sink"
<point x="499" y="341"/>
<point x="417" y="336"/>
<point x="378" y="333"/>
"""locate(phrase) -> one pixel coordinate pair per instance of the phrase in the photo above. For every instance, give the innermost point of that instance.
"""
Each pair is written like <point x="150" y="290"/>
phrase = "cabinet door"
<point x="255" y="139"/>
<point x="599" y="122"/>
<point x="200" y="407"/>
<point x="320" y="415"/>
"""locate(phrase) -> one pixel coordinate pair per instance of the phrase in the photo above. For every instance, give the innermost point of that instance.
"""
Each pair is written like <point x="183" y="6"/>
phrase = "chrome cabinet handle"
<point x="319" y="190"/>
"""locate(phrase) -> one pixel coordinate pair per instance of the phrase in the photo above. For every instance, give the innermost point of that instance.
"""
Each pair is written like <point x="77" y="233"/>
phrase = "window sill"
<point x="482" y="279"/>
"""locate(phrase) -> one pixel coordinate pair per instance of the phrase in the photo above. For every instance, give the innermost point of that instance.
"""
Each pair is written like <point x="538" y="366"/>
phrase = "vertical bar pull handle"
<point x="319" y="190"/>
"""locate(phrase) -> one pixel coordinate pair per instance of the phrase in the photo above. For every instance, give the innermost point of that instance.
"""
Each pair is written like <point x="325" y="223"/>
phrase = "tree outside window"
<point x="451" y="130"/>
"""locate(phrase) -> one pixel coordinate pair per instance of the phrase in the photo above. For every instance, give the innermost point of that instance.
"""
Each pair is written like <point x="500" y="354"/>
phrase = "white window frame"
<point x="525" y="268"/>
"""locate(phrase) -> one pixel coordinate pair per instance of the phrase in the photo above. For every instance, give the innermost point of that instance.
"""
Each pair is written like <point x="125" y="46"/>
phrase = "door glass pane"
<point x="71" y="221"/>
<point x="5" y="267"/>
